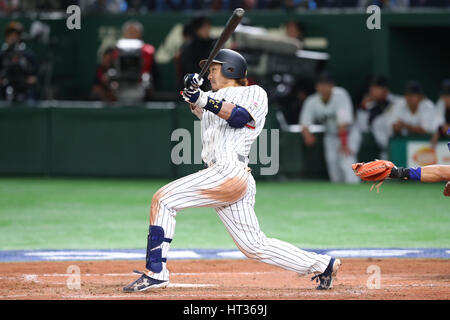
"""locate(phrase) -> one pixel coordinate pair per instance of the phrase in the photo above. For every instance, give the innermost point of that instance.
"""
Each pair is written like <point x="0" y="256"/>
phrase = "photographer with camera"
<point x="135" y="65"/>
<point x="18" y="67"/>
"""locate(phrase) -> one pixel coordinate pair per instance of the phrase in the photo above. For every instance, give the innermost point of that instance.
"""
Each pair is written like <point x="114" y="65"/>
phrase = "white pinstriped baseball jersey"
<point x="228" y="186"/>
<point x="223" y="143"/>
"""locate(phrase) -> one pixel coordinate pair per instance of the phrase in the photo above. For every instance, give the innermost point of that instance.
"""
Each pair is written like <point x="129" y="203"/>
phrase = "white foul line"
<point x="33" y="277"/>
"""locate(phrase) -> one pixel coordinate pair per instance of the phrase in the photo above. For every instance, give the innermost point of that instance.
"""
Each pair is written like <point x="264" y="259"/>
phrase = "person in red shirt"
<point x="135" y="30"/>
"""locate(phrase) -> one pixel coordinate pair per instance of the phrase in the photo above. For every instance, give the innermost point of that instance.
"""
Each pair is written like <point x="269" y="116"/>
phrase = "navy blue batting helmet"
<point x="233" y="64"/>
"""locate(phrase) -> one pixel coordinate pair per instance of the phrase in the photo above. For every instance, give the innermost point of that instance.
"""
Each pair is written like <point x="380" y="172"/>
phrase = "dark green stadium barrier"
<point x="132" y="141"/>
<point x="185" y="120"/>
<point x="369" y="149"/>
<point x="24" y="138"/>
<point x="397" y="151"/>
<point x="111" y="142"/>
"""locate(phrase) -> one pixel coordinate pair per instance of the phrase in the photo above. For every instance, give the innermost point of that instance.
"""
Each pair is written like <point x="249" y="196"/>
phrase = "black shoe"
<point x="145" y="283"/>
<point x="326" y="278"/>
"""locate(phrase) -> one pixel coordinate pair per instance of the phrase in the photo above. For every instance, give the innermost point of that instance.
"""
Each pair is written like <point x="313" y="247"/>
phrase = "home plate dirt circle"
<point x="398" y="278"/>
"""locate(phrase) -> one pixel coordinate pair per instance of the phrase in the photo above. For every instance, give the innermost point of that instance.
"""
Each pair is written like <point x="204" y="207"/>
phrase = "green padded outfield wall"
<point x="111" y="142"/>
<point x="409" y="45"/>
<point x="86" y="142"/>
<point x="132" y="142"/>
<point x="142" y="142"/>
<point x="24" y="141"/>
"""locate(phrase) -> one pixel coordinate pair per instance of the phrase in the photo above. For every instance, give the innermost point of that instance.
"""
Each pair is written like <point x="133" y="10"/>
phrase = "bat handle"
<point x="202" y="73"/>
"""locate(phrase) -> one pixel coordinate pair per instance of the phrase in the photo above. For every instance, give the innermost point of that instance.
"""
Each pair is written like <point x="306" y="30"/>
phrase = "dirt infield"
<point x="227" y="279"/>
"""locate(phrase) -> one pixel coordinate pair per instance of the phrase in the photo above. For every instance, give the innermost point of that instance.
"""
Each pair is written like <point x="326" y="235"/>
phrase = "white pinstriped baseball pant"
<point x="230" y="189"/>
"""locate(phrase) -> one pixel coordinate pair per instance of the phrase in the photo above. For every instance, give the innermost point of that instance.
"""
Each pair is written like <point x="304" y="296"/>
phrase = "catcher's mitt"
<point x="376" y="171"/>
<point x="447" y="189"/>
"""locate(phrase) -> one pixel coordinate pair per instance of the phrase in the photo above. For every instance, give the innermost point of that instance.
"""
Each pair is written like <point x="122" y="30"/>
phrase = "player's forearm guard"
<point x="399" y="173"/>
<point x="213" y="105"/>
<point x="406" y="173"/>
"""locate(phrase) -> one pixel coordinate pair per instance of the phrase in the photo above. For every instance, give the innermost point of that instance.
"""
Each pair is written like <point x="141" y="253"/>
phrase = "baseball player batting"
<point x="232" y="116"/>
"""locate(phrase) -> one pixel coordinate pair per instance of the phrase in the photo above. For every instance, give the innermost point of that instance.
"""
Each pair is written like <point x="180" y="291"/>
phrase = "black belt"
<point x="241" y="158"/>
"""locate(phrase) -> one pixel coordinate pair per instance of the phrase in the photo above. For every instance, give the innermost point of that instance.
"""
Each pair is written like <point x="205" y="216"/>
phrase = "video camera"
<point x="132" y="83"/>
<point x="277" y="62"/>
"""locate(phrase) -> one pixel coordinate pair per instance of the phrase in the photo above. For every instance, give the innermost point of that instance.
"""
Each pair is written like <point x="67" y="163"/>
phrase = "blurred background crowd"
<point x="286" y="60"/>
<point x="142" y="6"/>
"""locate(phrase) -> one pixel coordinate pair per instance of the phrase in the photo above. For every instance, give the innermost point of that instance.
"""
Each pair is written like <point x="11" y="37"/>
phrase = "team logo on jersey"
<point x="255" y="104"/>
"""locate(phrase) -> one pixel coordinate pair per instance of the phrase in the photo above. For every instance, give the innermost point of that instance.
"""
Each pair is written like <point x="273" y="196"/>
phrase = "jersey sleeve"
<point x="344" y="112"/>
<point x="254" y="100"/>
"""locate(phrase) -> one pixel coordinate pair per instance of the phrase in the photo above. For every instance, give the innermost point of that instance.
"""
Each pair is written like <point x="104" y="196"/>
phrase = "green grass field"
<point x="38" y="213"/>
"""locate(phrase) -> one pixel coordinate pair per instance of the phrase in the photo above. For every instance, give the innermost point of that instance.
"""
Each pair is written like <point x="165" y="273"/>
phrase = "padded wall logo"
<point x="425" y="156"/>
<point x="421" y="153"/>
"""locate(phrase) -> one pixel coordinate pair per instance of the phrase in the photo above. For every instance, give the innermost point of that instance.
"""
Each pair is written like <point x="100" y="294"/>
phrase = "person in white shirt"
<point x="332" y="107"/>
<point x="375" y="111"/>
<point x="414" y="114"/>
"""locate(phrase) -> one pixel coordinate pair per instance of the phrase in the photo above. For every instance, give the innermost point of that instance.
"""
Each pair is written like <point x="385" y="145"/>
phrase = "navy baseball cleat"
<point x="145" y="283"/>
<point x="326" y="278"/>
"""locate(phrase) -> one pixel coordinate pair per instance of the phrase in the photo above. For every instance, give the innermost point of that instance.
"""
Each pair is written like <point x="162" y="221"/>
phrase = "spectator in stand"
<point x="197" y="48"/>
<point x="187" y="37"/>
<point x="18" y="67"/>
<point x="295" y="30"/>
<point x="104" y="84"/>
